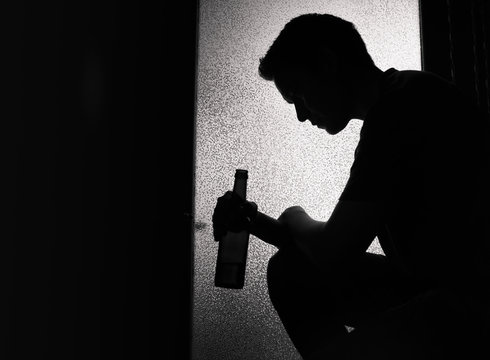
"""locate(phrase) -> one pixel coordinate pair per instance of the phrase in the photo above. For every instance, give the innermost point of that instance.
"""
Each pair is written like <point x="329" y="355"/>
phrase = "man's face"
<point x="318" y="97"/>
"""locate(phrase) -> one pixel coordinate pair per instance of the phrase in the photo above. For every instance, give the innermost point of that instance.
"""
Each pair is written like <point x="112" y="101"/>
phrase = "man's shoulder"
<point x="417" y="84"/>
<point x="416" y="97"/>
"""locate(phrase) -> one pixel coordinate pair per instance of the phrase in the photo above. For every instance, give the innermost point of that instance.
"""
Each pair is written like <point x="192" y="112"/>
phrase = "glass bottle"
<point x="233" y="247"/>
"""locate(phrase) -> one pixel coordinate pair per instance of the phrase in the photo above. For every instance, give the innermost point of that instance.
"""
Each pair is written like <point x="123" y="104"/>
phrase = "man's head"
<point x="313" y="62"/>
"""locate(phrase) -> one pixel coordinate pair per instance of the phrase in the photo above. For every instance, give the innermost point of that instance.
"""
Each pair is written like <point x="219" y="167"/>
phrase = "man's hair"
<point x="303" y="39"/>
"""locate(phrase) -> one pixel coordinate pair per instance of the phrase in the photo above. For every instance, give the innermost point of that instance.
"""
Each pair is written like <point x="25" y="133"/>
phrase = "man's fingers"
<point x="230" y="213"/>
<point x="218" y="232"/>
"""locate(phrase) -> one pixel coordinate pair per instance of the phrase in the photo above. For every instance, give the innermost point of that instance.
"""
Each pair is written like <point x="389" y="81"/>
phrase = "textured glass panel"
<point x="243" y="122"/>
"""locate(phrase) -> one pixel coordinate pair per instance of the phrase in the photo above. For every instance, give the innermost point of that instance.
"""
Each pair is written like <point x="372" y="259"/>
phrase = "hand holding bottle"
<point x="231" y="227"/>
<point x="232" y="213"/>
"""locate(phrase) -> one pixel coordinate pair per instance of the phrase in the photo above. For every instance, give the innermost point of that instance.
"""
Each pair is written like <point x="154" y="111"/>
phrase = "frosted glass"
<point x="243" y="122"/>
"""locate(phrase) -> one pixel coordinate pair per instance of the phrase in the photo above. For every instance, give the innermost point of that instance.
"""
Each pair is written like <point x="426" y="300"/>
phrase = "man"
<point x="419" y="182"/>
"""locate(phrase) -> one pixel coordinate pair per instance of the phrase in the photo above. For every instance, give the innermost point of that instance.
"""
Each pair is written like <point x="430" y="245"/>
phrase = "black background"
<point x="86" y="86"/>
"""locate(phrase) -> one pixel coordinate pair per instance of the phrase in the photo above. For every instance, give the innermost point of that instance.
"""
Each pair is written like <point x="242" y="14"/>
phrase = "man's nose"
<point x="301" y="112"/>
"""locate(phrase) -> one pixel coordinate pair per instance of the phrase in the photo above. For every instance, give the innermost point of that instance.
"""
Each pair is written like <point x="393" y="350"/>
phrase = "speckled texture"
<point x="242" y="122"/>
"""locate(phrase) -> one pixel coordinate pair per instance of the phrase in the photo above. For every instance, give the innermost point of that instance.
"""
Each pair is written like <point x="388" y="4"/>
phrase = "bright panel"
<point x="243" y="122"/>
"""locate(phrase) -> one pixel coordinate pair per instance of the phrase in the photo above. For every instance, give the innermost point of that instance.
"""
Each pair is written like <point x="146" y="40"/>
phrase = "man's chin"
<point x="333" y="130"/>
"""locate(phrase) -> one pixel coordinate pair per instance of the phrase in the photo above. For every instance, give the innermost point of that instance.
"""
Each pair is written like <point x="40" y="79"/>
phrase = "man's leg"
<point x="314" y="308"/>
<point x="433" y="325"/>
<point x="303" y="301"/>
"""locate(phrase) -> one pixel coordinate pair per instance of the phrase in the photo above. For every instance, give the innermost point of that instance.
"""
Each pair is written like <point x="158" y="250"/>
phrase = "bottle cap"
<point x="242" y="174"/>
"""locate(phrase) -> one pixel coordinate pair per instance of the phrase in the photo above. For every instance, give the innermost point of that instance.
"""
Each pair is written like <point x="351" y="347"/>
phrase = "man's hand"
<point x="232" y="213"/>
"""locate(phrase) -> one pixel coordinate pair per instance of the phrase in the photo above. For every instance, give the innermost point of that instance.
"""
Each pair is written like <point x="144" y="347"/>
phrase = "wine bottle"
<point x="233" y="246"/>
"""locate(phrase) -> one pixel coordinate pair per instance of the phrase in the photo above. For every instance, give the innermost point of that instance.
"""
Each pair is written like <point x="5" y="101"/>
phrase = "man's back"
<point x="424" y="155"/>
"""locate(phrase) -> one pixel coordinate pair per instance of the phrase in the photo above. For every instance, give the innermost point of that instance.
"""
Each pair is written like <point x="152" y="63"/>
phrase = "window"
<point x="243" y="122"/>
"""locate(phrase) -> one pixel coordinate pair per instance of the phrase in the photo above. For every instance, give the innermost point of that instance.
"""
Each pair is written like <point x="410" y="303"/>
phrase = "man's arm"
<point x="347" y="234"/>
<point x="269" y="230"/>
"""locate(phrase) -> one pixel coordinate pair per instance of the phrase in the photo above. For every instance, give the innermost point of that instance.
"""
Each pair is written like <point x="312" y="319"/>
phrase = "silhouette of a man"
<point x="419" y="183"/>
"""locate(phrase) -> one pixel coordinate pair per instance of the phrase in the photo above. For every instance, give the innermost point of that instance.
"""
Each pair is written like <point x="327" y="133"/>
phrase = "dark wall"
<point x="85" y="173"/>
<point x="456" y="44"/>
<point x="185" y="243"/>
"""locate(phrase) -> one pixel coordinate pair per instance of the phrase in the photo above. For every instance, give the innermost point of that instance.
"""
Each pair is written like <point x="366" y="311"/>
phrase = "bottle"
<point x="233" y="247"/>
